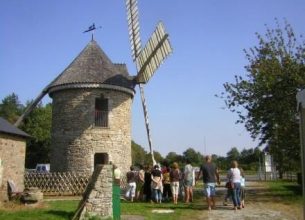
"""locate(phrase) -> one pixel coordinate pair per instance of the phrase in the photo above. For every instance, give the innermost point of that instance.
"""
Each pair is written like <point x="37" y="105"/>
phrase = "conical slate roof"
<point x="92" y="66"/>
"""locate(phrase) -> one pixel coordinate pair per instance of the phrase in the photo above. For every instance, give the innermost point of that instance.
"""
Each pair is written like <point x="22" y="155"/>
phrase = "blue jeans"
<point x="157" y="195"/>
<point x="236" y="194"/>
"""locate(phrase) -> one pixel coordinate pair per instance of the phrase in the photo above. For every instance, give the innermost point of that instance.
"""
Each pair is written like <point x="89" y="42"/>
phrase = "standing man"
<point x="210" y="176"/>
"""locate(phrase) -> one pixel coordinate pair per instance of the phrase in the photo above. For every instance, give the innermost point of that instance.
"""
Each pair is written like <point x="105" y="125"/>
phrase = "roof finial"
<point x="92" y="28"/>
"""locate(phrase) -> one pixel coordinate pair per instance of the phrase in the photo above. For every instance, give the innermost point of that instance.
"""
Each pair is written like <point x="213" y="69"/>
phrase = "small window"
<point x="100" y="158"/>
<point x="101" y="112"/>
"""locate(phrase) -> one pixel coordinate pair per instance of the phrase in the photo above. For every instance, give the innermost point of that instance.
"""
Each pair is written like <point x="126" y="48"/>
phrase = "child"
<point x="228" y="194"/>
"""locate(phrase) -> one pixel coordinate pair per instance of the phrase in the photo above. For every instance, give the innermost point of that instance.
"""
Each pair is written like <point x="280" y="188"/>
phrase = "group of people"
<point x="160" y="184"/>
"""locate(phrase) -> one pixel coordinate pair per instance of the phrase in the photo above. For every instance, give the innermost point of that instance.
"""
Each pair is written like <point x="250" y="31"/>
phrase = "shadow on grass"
<point x="296" y="189"/>
<point x="63" y="214"/>
<point x="275" y="191"/>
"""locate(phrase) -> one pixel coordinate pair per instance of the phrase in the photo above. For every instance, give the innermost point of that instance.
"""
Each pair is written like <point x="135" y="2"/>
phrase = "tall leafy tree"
<point x="173" y="157"/>
<point x="158" y="157"/>
<point x="249" y="158"/>
<point x="142" y="157"/>
<point x="38" y="125"/>
<point x="265" y="99"/>
<point x="233" y="154"/>
<point x="194" y="156"/>
<point x="138" y="154"/>
<point x="221" y="162"/>
<point x="10" y="108"/>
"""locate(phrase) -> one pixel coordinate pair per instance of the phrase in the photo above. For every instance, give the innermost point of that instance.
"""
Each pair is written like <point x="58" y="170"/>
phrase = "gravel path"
<point x="253" y="211"/>
<point x="257" y="207"/>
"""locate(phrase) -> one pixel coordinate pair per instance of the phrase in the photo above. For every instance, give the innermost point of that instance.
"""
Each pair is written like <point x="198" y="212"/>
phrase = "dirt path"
<point x="252" y="211"/>
<point x="257" y="206"/>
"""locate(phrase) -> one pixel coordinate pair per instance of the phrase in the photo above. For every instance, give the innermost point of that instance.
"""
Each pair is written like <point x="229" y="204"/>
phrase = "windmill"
<point x="147" y="59"/>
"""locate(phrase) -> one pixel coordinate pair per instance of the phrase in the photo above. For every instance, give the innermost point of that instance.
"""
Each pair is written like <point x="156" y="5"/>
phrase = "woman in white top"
<point x="234" y="177"/>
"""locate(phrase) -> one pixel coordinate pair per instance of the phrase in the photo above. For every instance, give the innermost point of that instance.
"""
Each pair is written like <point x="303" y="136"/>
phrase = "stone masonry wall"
<point x="12" y="154"/>
<point x="75" y="139"/>
<point x="97" y="199"/>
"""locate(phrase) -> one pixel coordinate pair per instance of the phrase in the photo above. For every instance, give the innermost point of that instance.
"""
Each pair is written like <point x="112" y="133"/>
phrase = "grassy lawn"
<point x="181" y="211"/>
<point x="279" y="192"/>
<point x="50" y="210"/>
<point x="286" y="191"/>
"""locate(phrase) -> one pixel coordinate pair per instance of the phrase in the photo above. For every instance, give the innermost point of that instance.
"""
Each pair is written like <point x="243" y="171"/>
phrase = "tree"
<point x="265" y="99"/>
<point x="194" y="156"/>
<point x="38" y="125"/>
<point x="233" y="154"/>
<point x="173" y="157"/>
<point x="10" y="108"/>
<point x="221" y="162"/>
<point x="141" y="157"/>
<point x="249" y="158"/>
<point x="138" y="154"/>
<point x="158" y="157"/>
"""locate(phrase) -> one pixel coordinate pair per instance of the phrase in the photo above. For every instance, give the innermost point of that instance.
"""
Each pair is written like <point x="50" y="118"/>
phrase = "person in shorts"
<point x="174" y="181"/>
<point x="210" y="175"/>
<point x="131" y="180"/>
<point x="188" y="181"/>
<point x="140" y="183"/>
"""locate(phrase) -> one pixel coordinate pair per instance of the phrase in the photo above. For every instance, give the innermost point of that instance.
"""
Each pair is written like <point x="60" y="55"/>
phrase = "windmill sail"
<point x="147" y="123"/>
<point x="31" y="107"/>
<point x="153" y="54"/>
<point x="133" y="27"/>
<point x="148" y="59"/>
<point x="135" y="41"/>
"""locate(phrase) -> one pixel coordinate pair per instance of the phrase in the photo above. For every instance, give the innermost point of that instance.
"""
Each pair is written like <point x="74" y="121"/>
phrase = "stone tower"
<point x="91" y="118"/>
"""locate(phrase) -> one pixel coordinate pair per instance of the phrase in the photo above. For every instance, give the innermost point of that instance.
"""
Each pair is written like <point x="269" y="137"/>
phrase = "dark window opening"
<point x="100" y="158"/>
<point x="101" y="112"/>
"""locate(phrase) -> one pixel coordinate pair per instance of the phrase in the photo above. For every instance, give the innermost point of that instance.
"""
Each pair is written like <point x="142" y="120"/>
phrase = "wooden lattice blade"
<point x="133" y="27"/>
<point x="153" y="54"/>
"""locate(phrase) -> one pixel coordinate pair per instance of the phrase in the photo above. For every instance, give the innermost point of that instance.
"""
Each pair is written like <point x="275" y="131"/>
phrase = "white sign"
<point x="268" y="162"/>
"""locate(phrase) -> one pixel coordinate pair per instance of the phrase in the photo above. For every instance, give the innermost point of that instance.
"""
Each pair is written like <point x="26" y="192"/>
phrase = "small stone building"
<point x="12" y="156"/>
<point x="91" y="116"/>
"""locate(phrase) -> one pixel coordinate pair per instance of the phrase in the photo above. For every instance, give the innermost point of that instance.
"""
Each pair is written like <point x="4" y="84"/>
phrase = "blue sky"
<point x="39" y="39"/>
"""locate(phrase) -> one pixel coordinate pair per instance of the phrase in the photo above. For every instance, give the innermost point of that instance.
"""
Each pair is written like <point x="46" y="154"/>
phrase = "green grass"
<point x="195" y="210"/>
<point x="279" y="191"/>
<point x="181" y="211"/>
<point x="53" y="210"/>
<point x="285" y="190"/>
